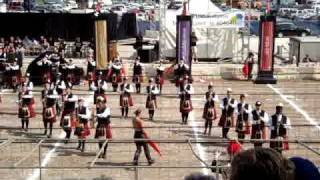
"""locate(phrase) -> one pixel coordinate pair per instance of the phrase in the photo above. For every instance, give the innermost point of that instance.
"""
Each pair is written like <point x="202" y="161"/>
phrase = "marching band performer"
<point x="259" y="119"/>
<point x="27" y="83"/>
<point x="151" y="103"/>
<point x="279" y="125"/>
<point x="69" y="70"/>
<point x="243" y="110"/>
<point x="69" y="108"/>
<point x="82" y="125"/>
<point x="15" y="74"/>
<point x="24" y="114"/>
<point x="210" y="109"/>
<point x="160" y="77"/>
<point x="180" y="71"/>
<point x="46" y="66"/>
<point x="91" y="70"/>
<point x="210" y="94"/>
<point x="103" y="128"/>
<point x="124" y="83"/>
<point x="49" y="114"/>
<point x="115" y="73"/>
<point x="59" y="85"/>
<point x="137" y="74"/>
<point x="99" y="87"/>
<point x="209" y="114"/>
<point x="27" y="100"/>
<point x="227" y="118"/>
<point x="126" y="100"/>
<point x="139" y="133"/>
<point x="185" y="100"/>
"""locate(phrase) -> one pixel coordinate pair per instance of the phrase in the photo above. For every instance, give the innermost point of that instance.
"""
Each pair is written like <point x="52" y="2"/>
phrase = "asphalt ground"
<point x="62" y="161"/>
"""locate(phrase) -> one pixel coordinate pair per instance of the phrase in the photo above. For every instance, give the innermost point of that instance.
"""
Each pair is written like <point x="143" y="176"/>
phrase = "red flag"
<point x="154" y="145"/>
<point x="234" y="147"/>
<point x="245" y="70"/>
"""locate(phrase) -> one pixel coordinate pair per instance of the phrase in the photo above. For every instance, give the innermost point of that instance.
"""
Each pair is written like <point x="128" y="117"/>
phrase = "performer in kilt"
<point x="181" y="70"/>
<point x="115" y="73"/>
<point x="209" y="114"/>
<point x="69" y="72"/>
<point x="211" y="94"/>
<point x="103" y="128"/>
<point x="151" y="103"/>
<point x="160" y="77"/>
<point x="14" y="73"/>
<point x="91" y="70"/>
<point x="139" y="133"/>
<point x="69" y="108"/>
<point x="126" y="101"/>
<point x="24" y="115"/>
<point x="279" y="125"/>
<point x="259" y="120"/>
<point x="27" y="83"/>
<point x="124" y="83"/>
<point x="27" y="101"/>
<point x="82" y="125"/>
<point x="60" y="86"/>
<point x="242" y="125"/>
<point x="99" y="87"/>
<point x="185" y="100"/>
<point x="227" y="119"/>
<point x="49" y="113"/>
<point x="137" y="77"/>
<point x="46" y="68"/>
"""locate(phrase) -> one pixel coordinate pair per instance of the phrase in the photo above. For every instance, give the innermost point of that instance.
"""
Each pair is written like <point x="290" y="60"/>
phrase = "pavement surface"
<point x="62" y="161"/>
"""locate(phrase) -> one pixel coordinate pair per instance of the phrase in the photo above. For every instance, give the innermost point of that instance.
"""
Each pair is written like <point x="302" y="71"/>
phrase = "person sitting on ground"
<point x="261" y="163"/>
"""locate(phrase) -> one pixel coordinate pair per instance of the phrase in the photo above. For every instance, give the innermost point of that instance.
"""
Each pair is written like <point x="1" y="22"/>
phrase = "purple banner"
<point x="183" y="46"/>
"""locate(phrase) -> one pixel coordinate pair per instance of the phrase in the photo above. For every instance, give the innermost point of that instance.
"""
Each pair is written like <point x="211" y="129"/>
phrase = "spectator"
<point x="305" y="169"/>
<point x="194" y="49"/>
<point x="250" y="61"/>
<point x="306" y="59"/>
<point x="261" y="164"/>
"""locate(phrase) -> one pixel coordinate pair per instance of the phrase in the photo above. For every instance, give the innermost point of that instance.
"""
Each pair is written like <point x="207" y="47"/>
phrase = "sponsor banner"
<point x="266" y="49"/>
<point x="183" y="41"/>
<point x="224" y="20"/>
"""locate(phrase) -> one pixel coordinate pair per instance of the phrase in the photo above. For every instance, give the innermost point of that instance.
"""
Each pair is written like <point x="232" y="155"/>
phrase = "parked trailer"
<point x="302" y="46"/>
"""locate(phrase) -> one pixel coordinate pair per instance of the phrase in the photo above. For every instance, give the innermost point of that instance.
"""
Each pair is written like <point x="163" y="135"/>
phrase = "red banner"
<point x="266" y="45"/>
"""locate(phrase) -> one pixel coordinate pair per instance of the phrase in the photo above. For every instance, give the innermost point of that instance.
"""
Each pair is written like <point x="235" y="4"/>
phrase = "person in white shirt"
<point x="82" y="128"/>
<point x="103" y="128"/>
<point x="259" y="120"/>
<point x="27" y="83"/>
<point x="99" y="87"/>
<point x="279" y="124"/>
<point x="160" y="76"/>
<point x="151" y="102"/>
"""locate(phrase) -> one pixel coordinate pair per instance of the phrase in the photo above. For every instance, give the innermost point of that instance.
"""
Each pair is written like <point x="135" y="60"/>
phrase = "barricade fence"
<point x="48" y="158"/>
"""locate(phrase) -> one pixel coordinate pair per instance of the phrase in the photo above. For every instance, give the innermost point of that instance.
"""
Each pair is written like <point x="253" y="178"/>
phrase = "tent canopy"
<point x="205" y="7"/>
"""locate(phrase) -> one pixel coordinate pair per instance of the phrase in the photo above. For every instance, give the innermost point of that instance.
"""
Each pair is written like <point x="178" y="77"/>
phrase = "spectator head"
<point x="250" y="54"/>
<point x="199" y="176"/>
<point x="261" y="164"/>
<point x="305" y="169"/>
<point x="243" y="97"/>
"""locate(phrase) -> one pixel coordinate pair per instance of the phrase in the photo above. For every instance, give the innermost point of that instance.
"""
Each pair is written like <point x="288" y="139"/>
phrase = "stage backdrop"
<point x="62" y="25"/>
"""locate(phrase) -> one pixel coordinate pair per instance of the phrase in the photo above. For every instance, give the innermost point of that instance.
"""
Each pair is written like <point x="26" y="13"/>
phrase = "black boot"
<point x="79" y="145"/>
<point x="83" y="144"/>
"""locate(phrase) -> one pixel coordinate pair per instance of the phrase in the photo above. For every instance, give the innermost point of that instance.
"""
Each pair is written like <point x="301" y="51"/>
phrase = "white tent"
<point x="216" y="30"/>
